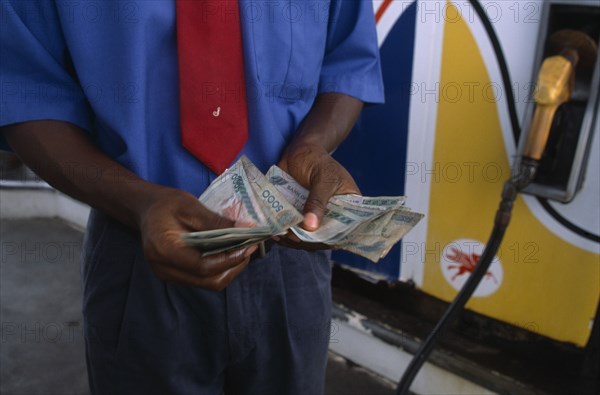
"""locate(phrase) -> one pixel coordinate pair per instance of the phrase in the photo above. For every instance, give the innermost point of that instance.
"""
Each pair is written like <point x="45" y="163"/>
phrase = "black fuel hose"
<point x="501" y="59"/>
<point x="511" y="189"/>
<point x="509" y="194"/>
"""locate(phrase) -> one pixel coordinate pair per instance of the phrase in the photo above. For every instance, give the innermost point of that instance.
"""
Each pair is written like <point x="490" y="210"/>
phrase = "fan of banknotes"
<point x="264" y="206"/>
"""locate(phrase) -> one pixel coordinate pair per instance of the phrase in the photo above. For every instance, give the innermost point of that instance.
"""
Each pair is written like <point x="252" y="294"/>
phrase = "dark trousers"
<point x="267" y="333"/>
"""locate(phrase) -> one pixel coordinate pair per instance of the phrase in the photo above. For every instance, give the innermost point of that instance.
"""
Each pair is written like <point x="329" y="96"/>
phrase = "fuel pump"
<point x="562" y="163"/>
<point x="568" y="70"/>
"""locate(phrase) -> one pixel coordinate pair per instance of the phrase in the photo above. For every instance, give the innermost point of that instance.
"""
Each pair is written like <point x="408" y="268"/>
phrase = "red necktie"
<point x="214" y="117"/>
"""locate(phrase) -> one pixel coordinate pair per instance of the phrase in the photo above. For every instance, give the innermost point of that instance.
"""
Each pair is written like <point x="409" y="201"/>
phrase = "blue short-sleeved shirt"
<point x="111" y="68"/>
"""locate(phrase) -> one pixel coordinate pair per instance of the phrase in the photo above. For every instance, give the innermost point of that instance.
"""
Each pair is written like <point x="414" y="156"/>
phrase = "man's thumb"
<point x="314" y="208"/>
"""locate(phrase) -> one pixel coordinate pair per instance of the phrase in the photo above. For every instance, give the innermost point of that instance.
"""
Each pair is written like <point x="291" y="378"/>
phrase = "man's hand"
<point x="323" y="176"/>
<point x="62" y="155"/>
<point x="307" y="158"/>
<point x="161" y="225"/>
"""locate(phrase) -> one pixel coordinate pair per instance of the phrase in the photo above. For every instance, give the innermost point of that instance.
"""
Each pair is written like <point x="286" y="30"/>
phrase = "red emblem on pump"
<point x="466" y="263"/>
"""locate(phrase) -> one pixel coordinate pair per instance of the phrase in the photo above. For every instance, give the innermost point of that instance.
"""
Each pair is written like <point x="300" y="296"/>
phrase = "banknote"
<point x="367" y="226"/>
<point x="226" y="237"/>
<point x="243" y="194"/>
<point x="374" y="239"/>
<point x="264" y="206"/>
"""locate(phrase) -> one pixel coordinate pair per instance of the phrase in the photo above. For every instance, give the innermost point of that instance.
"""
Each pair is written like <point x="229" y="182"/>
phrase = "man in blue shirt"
<point x="90" y="101"/>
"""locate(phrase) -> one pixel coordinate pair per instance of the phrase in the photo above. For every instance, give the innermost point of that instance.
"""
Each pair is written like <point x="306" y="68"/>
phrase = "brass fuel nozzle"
<point x="555" y="83"/>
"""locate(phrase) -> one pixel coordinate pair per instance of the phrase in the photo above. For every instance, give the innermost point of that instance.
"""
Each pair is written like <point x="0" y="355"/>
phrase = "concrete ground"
<point x="41" y="345"/>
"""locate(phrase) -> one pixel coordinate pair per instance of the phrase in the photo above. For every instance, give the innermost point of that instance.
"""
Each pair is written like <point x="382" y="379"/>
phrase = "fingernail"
<point x="250" y="250"/>
<point x="311" y="221"/>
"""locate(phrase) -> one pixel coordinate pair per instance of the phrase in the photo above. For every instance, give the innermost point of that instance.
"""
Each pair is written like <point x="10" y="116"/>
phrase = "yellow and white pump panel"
<point x="460" y="149"/>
